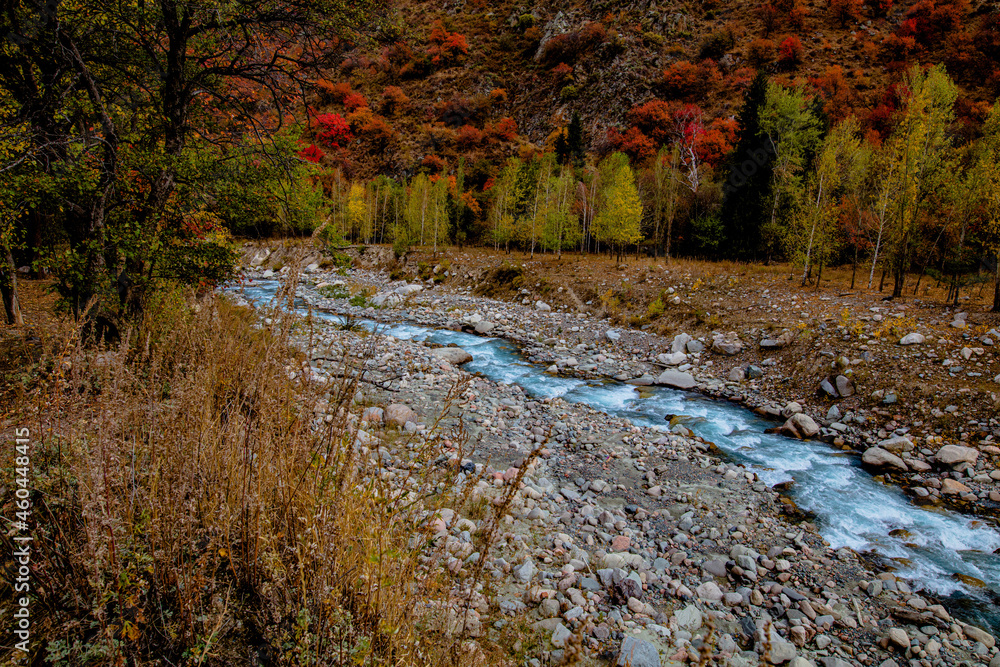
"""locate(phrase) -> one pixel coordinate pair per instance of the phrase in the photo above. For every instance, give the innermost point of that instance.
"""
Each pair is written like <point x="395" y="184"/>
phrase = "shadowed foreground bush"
<point x="197" y="502"/>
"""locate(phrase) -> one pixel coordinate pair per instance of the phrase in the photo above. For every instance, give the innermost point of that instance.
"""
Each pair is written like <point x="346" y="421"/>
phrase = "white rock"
<point x="912" y="339"/>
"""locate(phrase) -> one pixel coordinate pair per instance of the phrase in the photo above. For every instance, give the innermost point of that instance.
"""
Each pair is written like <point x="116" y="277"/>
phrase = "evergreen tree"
<point x="747" y="189"/>
<point x="574" y="138"/>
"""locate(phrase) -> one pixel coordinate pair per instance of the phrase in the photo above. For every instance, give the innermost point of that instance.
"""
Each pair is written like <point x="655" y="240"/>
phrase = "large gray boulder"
<point x="676" y="379"/>
<point x="637" y="653"/>
<point x="800" y="425"/>
<point x="453" y="355"/>
<point x="951" y="455"/>
<point x="912" y="339"/>
<point x="398" y="414"/>
<point x="878" y="457"/>
<point x="897" y="444"/>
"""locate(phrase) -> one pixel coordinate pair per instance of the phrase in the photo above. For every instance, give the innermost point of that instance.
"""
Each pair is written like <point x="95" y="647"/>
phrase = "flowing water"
<point x="931" y="547"/>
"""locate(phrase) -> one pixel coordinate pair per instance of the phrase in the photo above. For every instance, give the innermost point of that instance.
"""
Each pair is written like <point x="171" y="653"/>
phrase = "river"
<point x="928" y="546"/>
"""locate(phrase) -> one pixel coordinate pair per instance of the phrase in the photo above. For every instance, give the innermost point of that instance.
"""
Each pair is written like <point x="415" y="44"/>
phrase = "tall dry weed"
<point x="199" y="499"/>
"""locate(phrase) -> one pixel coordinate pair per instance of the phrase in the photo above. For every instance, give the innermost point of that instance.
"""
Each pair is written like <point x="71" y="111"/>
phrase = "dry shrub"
<point x="199" y="499"/>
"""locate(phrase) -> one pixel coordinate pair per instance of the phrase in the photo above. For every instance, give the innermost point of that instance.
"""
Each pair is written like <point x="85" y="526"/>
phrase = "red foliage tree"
<point x="633" y="143"/>
<point x="432" y="163"/>
<point x="769" y="15"/>
<point x="790" y="52"/>
<point x="715" y="142"/>
<point x="838" y="96"/>
<point x="880" y="8"/>
<point x="334" y="131"/>
<point x="935" y="19"/>
<point x="311" y="153"/>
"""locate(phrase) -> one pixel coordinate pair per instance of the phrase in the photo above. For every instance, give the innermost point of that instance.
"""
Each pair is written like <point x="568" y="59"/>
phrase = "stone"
<point x="954" y="454"/>
<point x="899" y="637"/>
<point x="636" y="652"/>
<point x="737" y="374"/>
<point x="727" y="345"/>
<point x="679" y="344"/>
<point x="799" y="661"/>
<point x="912" y="339"/>
<point x="800" y="425"/>
<point x="560" y="635"/>
<point x="979" y="635"/>
<point x="952" y="487"/>
<point x="484" y="327"/>
<point x="387" y="300"/>
<point x="876" y="456"/>
<point x="732" y="599"/>
<point x="453" y="355"/>
<point x="715" y="567"/>
<point x="784" y="340"/>
<point x="709" y="591"/>
<point x="844" y="386"/>
<point x="995" y="662"/>
<point x="672" y="358"/>
<point x="754" y="372"/>
<point x="549" y="608"/>
<point x="689" y="618"/>
<point x="676" y="379"/>
<point x="542" y="306"/>
<point x="612" y="335"/>
<point x="827" y="388"/>
<point x="398" y="414"/>
<point x="525" y="571"/>
<point x="373" y="414"/>
<point x="897" y="445"/>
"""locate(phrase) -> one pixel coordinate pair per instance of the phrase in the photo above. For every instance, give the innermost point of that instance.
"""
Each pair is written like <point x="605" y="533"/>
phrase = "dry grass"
<point x="199" y="501"/>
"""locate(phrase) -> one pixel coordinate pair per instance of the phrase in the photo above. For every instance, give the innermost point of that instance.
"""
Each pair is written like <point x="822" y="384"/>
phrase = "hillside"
<point x="465" y="66"/>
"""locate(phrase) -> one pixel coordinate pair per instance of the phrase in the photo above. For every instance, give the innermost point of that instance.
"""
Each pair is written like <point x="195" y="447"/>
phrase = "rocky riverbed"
<point x="625" y="543"/>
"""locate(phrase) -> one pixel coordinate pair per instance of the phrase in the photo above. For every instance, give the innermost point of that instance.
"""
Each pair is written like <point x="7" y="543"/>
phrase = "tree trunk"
<point x="8" y="289"/>
<point x="854" y="269"/>
<point x="996" y="286"/>
<point x="881" y="282"/>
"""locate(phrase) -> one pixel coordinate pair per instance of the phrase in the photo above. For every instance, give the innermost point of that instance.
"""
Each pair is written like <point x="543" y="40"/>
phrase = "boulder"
<point x="542" y="306"/>
<point x="453" y="355"/>
<point x="689" y="618"/>
<point x="612" y="335"/>
<point x="737" y="374"/>
<point x="407" y="290"/>
<point x="398" y="414"/>
<point x="709" y="591"/>
<point x="387" y="300"/>
<point x="636" y="652"/>
<point x="676" y="379"/>
<point x="844" y="386"/>
<point x="694" y="346"/>
<point x="897" y="444"/>
<point x="826" y="387"/>
<point x="952" y="487"/>
<point x="727" y="345"/>
<point x="912" y="339"/>
<point x="672" y="359"/>
<point x="951" y="455"/>
<point x="800" y="425"/>
<point x="784" y="340"/>
<point x="484" y="327"/>
<point x="978" y="635"/>
<point x="680" y="342"/>
<point x="878" y="457"/>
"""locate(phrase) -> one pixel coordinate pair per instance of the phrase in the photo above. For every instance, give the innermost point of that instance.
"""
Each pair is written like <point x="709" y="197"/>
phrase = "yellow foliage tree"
<point x="619" y="217"/>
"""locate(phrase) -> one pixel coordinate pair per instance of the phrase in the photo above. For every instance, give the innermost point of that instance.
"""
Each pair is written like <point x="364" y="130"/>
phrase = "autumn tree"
<point x="619" y="214"/>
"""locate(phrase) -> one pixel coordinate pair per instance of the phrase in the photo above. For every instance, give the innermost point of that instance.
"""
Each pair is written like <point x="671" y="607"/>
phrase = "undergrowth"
<point x="199" y="500"/>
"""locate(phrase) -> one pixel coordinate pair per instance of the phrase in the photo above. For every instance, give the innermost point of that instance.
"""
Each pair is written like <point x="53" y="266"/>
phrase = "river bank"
<point x="702" y="539"/>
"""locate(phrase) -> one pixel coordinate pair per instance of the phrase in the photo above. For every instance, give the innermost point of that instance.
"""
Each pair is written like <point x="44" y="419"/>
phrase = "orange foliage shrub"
<point x="760" y="52"/>
<point x="498" y="96"/>
<point x="394" y="100"/>
<point x="685" y="80"/>
<point x="934" y="19"/>
<point x="432" y="163"/>
<point x="846" y="10"/>
<point x="790" y="52"/>
<point x="654" y="118"/>
<point x="898" y="48"/>
<point x="768" y="14"/>
<point x="354" y="101"/>
<point x="469" y="136"/>
<point x="633" y="143"/>
<point x="561" y="71"/>
<point x="837" y="94"/>
<point x="504" y="129"/>
<point x="446" y="47"/>
<point x="333" y="92"/>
